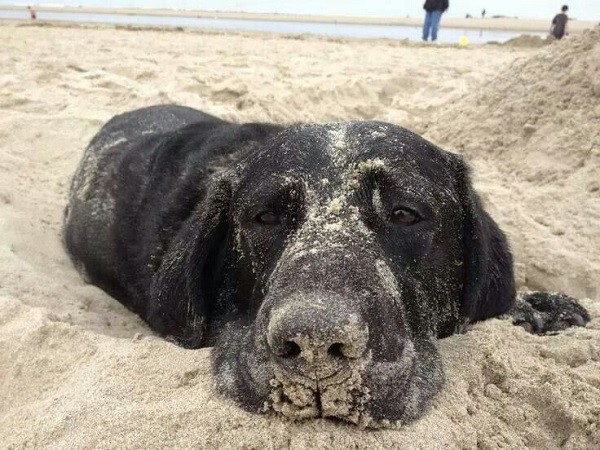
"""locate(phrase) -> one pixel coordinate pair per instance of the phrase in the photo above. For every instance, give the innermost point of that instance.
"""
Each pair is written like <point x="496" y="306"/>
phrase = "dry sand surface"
<point x="77" y="370"/>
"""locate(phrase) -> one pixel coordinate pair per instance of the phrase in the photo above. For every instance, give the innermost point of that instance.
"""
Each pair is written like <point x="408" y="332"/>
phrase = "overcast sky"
<point x="540" y="9"/>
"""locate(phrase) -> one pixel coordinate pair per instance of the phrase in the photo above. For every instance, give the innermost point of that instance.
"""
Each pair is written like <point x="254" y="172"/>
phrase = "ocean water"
<point x="447" y="35"/>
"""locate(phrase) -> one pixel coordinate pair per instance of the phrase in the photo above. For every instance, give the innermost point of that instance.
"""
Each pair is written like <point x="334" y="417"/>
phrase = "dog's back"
<point x="90" y="233"/>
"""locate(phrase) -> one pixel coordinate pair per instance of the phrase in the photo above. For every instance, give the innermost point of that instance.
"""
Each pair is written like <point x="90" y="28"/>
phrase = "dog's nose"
<point x="316" y="341"/>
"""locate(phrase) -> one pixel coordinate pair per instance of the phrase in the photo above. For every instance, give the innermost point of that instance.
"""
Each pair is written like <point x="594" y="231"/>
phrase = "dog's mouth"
<point x="342" y="396"/>
<point x="345" y="396"/>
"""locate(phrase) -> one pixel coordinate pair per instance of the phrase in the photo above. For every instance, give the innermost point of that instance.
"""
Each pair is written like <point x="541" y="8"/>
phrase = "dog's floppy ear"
<point x="489" y="286"/>
<point x="178" y="305"/>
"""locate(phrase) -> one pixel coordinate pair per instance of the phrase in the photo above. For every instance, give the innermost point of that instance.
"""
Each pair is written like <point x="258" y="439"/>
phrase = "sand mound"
<point x="520" y="111"/>
<point x="528" y="40"/>
<point x="533" y="133"/>
<point x="79" y="371"/>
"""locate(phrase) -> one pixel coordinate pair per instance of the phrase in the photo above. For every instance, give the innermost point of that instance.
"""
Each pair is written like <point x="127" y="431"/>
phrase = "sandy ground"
<point x="77" y="370"/>
<point x="500" y="23"/>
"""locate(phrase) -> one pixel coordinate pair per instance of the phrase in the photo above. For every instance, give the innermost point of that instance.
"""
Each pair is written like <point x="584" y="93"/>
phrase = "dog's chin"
<point x="370" y="394"/>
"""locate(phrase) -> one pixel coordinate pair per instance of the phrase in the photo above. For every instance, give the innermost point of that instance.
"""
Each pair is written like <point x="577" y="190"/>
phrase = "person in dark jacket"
<point x="433" y="15"/>
<point x="559" y="24"/>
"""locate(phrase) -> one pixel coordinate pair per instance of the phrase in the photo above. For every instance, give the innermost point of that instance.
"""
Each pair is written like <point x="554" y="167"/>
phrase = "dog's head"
<point x="327" y="266"/>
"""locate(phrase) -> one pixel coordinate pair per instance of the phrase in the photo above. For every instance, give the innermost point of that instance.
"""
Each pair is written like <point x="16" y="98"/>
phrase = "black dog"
<point x="322" y="261"/>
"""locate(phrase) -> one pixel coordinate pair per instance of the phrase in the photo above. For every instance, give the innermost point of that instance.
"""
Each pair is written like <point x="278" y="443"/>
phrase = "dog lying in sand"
<point x="321" y="261"/>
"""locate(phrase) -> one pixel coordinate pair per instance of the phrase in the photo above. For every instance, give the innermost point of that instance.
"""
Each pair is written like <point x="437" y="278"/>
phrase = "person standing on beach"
<point x="558" y="29"/>
<point x="433" y="14"/>
<point x="32" y="13"/>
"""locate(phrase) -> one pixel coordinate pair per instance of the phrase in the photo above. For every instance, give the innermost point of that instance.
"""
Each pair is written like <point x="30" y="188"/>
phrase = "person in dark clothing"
<point x="433" y="15"/>
<point x="558" y="29"/>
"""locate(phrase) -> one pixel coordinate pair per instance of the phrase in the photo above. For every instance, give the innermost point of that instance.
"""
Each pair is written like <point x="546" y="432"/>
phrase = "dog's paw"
<point x="547" y="312"/>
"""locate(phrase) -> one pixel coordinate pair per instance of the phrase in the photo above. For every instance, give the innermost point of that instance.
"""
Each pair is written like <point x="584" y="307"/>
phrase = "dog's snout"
<point x="317" y="341"/>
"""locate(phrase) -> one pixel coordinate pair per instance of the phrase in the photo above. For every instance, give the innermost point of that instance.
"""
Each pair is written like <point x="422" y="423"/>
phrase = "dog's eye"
<point x="404" y="216"/>
<point x="267" y="218"/>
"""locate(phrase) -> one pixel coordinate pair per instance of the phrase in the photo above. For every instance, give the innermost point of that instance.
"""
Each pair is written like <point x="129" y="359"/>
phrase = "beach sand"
<point x="77" y="370"/>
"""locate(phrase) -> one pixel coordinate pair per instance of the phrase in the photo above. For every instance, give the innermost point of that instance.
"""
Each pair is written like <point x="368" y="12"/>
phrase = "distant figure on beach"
<point x="559" y="28"/>
<point x="433" y="15"/>
<point x="32" y="13"/>
<point x="483" y="14"/>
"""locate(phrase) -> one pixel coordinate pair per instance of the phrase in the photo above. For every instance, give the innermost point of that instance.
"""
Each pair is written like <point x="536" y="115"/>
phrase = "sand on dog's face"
<point x="332" y="268"/>
<point x="79" y="371"/>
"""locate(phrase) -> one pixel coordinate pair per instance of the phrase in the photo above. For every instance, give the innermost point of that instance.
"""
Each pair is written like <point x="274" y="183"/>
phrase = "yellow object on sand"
<point x="463" y="41"/>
